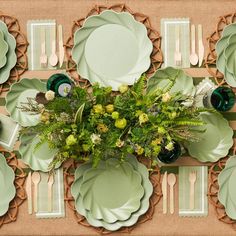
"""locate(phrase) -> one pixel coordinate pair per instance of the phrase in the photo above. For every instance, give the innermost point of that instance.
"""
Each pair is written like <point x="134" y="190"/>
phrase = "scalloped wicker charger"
<point x="12" y="212"/>
<point x="156" y="56"/>
<point x="155" y="178"/>
<point x="210" y="60"/>
<point x="21" y="48"/>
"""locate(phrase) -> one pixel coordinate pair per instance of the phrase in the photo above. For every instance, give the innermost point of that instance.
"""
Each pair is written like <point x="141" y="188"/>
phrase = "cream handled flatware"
<point x="177" y="55"/>
<point x="43" y="56"/>
<point x="28" y="188"/>
<point x="192" y="180"/>
<point x="50" y="185"/>
<point x="164" y="192"/>
<point x="200" y="46"/>
<point x="171" y="180"/>
<point x="53" y="59"/>
<point x="60" y="44"/>
<point x="193" y="56"/>
<point x="36" y="179"/>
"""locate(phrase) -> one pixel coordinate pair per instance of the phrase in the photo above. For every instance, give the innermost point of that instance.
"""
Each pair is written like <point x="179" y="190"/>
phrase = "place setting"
<point x="118" y="131"/>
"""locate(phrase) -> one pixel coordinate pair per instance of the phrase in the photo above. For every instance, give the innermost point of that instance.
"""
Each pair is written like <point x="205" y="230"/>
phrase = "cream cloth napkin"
<point x="58" y="196"/>
<point x="34" y="38"/>
<point x="201" y="185"/>
<point x="168" y="40"/>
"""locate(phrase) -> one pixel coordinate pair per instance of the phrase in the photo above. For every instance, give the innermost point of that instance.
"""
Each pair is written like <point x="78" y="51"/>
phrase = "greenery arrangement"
<point x="96" y="122"/>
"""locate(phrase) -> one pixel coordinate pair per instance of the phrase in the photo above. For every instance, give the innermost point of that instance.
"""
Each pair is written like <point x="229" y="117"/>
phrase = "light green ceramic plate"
<point x="230" y="54"/>
<point x="215" y="142"/>
<point x="3" y="50"/>
<point x="37" y="158"/>
<point x="18" y="94"/>
<point x="162" y="78"/>
<point x="8" y="190"/>
<point x="11" y="55"/>
<point x="148" y="189"/>
<point x="112" y="49"/>
<point x="227" y="192"/>
<point x="122" y="201"/>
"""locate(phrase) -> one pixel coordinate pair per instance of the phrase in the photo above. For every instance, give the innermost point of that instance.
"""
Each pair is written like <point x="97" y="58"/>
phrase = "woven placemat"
<point x="156" y="56"/>
<point x="155" y="178"/>
<point x="21" y="48"/>
<point x="20" y="196"/>
<point x="213" y="189"/>
<point x="210" y="60"/>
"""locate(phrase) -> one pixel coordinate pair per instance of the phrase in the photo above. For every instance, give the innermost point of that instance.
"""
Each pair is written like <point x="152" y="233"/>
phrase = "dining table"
<point x="65" y="12"/>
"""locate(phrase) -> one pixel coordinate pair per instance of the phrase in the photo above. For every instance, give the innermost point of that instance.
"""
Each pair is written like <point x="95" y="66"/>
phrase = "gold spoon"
<point x="36" y="179"/>
<point x="171" y="180"/>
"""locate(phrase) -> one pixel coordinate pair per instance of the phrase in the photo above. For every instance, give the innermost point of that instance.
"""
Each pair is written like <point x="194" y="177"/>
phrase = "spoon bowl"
<point x="193" y="59"/>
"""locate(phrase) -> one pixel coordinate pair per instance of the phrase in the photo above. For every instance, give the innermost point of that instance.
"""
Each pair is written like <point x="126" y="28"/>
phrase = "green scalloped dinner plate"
<point x="11" y="55"/>
<point x="37" y="158"/>
<point x="18" y="94"/>
<point x="8" y="190"/>
<point x="112" y="49"/>
<point x="148" y="189"/>
<point x="3" y="50"/>
<point x="122" y="201"/>
<point x="163" y="77"/>
<point x="215" y="142"/>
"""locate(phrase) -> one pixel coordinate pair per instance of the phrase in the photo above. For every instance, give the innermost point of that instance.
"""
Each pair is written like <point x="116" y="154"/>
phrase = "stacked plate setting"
<point x="227" y="190"/>
<point x="112" y="49"/>
<point x="7" y="53"/>
<point x="114" y="194"/>
<point x="226" y="54"/>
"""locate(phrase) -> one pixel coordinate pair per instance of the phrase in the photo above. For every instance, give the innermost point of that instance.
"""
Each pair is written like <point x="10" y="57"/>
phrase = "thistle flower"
<point x="123" y="88"/>
<point x="143" y="118"/>
<point x="96" y="138"/>
<point x="109" y="108"/>
<point x="71" y="140"/>
<point x="121" y="123"/>
<point x="166" y="97"/>
<point x="50" y="95"/>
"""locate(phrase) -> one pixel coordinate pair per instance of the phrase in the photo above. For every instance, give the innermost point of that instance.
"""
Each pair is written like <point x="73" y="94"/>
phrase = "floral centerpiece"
<point x="97" y="123"/>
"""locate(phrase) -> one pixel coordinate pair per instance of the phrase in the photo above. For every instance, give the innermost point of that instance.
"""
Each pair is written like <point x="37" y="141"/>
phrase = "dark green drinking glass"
<point x="221" y="98"/>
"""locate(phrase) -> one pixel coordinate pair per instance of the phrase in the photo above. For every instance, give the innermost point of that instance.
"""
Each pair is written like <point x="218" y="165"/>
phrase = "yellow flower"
<point x="120" y="143"/>
<point x="139" y="150"/>
<point x="102" y="128"/>
<point x="45" y="116"/>
<point x="121" y="123"/>
<point x="115" y="115"/>
<point x="98" y="109"/>
<point x="123" y="88"/>
<point x="143" y="118"/>
<point x="156" y="141"/>
<point x="166" y="97"/>
<point x="50" y="95"/>
<point x="110" y="108"/>
<point x="172" y="115"/>
<point x="169" y="146"/>
<point x="71" y="140"/>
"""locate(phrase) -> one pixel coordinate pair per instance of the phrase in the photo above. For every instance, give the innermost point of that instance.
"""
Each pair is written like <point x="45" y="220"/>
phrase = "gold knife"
<point x="164" y="192"/>
<point x="200" y="46"/>
<point x="61" y="48"/>
<point x="29" y="193"/>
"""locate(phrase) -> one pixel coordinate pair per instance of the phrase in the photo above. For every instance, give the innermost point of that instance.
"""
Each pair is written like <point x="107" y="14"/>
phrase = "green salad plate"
<point x="163" y="77"/>
<point x="122" y="201"/>
<point x="215" y="139"/>
<point x="19" y="94"/>
<point x="230" y="53"/>
<point x="112" y="49"/>
<point x="144" y="204"/>
<point x="8" y="190"/>
<point x="3" y="50"/>
<point x="227" y="190"/>
<point x="37" y="157"/>
<point x="10" y="56"/>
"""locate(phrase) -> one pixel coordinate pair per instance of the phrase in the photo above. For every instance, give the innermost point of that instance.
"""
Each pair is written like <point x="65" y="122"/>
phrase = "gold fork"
<point x="177" y="56"/>
<point x="192" y="179"/>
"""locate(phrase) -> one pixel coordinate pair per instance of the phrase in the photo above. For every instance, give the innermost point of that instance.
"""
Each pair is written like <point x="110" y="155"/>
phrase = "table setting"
<point x="117" y="122"/>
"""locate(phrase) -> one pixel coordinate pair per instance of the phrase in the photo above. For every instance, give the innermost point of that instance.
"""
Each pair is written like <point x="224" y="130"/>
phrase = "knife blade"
<point x="28" y="188"/>
<point x="164" y="192"/>
<point x="200" y="46"/>
<point x="60" y="43"/>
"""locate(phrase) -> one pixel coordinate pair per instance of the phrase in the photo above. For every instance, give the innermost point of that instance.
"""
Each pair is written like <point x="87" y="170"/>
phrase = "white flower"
<point x="169" y="146"/>
<point x="166" y="97"/>
<point x="50" y="95"/>
<point x="96" y="138"/>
